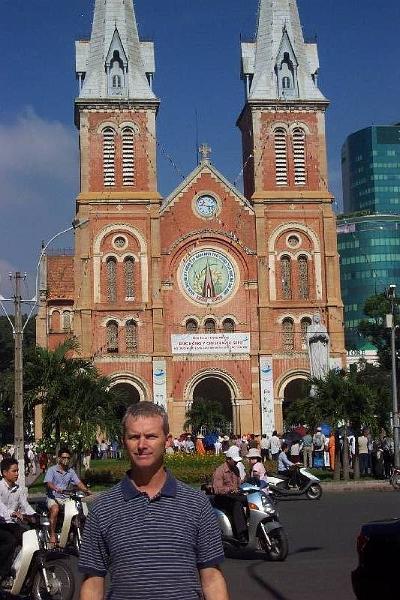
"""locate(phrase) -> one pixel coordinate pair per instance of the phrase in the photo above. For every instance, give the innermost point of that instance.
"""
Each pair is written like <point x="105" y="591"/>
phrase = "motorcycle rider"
<point x="228" y="498"/>
<point x="14" y="509"/>
<point x="286" y="468"/>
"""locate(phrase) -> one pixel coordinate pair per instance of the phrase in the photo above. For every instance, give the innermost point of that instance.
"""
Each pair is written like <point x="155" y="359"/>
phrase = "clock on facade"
<point x="208" y="276"/>
<point x="206" y="206"/>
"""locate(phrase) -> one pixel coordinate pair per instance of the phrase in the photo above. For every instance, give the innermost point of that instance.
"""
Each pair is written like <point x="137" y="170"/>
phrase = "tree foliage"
<point x="373" y="329"/>
<point x="206" y="414"/>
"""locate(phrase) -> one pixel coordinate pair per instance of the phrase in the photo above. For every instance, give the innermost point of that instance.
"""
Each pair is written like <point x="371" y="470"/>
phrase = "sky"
<point x="198" y="71"/>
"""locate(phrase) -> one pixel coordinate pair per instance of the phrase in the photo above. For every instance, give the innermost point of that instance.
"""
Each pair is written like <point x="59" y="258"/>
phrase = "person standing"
<point x="275" y="446"/>
<point x="319" y="448"/>
<point x="332" y="450"/>
<point x="363" y="453"/>
<point x="155" y="536"/>
<point x="308" y="449"/>
<point x="200" y="445"/>
<point x="57" y="480"/>
<point x="218" y="446"/>
<point x="264" y="445"/>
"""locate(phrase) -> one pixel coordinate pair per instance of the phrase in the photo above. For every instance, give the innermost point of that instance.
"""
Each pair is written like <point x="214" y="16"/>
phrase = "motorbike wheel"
<point x="395" y="481"/>
<point x="314" y="492"/>
<point x="61" y="580"/>
<point x="279" y="545"/>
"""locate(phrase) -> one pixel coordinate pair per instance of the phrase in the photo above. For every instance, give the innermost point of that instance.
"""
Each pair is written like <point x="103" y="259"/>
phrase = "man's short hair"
<point x="284" y="446"/>
<point x="7" y="463"/>
<point x="63" y="451"/>
<point x="145" y="410"/>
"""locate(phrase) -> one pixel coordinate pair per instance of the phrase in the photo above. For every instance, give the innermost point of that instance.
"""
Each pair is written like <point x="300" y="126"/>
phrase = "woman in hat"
<point x="257" y="469"/>
<point x="199" y="445"/>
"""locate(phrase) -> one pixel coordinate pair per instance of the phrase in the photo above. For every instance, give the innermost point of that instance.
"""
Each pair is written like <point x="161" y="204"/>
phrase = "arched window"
<point x="128" y="156"/>
<point x="55" y="321"/>
<point x="111" y="279"/>
<point x="129" y="274"/>
<point x="109" y="156"/>
<point x="299" y="156"/>
<point x="131" y="336"/>
<point x="288" y="335"/>
<point x="191" y="326"/>
<point x="304" y="290"/>
<point x="228" y="325"/>
<point x="286" y="83"/>
<point x="305" y="323"/>
<point x="67" y="320"/>
<point x="286" y="277"/>
<point x="281" y="166"/>
<point x="209" y="326"/>
<point x="112" y="336"/>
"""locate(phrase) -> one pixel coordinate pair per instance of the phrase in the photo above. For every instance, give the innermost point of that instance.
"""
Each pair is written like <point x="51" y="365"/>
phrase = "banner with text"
<point x="212" y="343"/>
<point x="267" y="395"/>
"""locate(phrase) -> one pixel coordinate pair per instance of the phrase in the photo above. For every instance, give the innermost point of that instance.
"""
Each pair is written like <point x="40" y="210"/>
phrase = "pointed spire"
<point x="115" y="63"/>
<point x="280" y="65"/>
<point x="208" y="285"/>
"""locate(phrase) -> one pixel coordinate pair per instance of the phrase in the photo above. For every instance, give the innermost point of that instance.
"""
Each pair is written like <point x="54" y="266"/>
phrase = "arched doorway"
<point x="213" y="390"/>
<point x="294" y="390"/>
<point x="128" y="394"/>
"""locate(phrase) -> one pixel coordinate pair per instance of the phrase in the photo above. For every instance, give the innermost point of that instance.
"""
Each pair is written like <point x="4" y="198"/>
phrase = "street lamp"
<point x="391" y="324"/>
<point x="18" y="329"/>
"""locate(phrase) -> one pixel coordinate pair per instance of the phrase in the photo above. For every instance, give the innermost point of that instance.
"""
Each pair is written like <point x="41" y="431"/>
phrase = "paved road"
<point x="322" y="554"/>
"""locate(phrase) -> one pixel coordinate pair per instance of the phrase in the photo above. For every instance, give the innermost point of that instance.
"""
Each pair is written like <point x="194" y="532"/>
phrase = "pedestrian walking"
<point x="264" y="447"/>
<point x="155" y="536"/>
<point x="275" y="446"/>
<point x="332" y="450"/>
<point x="319" y="448"/>
<point x="308" y="449"/>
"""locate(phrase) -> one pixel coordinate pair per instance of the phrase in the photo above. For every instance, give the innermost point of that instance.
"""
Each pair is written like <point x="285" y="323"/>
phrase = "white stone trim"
<point x="135" y="381"/>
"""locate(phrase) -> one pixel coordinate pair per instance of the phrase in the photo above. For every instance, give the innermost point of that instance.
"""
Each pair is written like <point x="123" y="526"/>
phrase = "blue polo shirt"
<point x="61" y="479"/>
<point x="153" y="549"/>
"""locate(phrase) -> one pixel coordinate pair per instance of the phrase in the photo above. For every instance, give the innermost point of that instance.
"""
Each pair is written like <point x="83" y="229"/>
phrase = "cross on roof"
<point x="205" y="152"/>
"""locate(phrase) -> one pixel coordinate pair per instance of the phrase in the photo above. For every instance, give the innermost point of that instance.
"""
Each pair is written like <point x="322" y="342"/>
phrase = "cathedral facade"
<point x="206" y="294"/>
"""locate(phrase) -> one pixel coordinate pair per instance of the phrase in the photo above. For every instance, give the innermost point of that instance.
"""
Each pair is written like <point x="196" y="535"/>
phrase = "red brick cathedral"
<point x="205" y="294"/>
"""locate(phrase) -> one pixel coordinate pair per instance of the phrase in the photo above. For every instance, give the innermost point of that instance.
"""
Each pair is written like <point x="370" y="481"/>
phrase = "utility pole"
<point x="19" y="441"/>
<point x="391" y="324"/>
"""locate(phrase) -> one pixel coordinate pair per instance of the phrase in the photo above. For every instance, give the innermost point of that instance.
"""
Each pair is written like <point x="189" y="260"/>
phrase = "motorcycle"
<point x="306" y="484"/>
<point x="265" y="532"/>
<point x="395" y="478"/>
<point x="38" y="573"/>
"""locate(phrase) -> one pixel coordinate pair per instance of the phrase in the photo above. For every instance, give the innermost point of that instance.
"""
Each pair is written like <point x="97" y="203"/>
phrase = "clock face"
<point x="206" y="206"/>
<point x="208" y="276"/>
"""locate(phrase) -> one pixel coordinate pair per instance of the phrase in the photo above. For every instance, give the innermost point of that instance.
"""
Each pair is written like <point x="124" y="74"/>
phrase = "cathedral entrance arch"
<point x="292" y="388"/>
<point x="218" y="388"/>
<point x="130" y="391"/>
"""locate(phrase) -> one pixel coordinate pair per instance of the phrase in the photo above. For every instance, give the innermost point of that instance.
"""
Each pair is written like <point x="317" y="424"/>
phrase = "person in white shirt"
<point x="264" y="447"/>
<point x="275" y="446"/>
<point x="14" y="509"/>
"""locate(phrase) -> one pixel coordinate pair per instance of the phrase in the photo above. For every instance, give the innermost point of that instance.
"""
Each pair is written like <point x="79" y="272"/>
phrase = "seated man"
<point x="226" y="486"/>
<point x="14" y="507"/>
<point x="286" y="468"/>
<point x="57" y="479"/>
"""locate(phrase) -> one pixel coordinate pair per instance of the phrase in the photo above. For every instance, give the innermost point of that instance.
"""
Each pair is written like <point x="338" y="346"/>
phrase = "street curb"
<point x="357" y="486"/>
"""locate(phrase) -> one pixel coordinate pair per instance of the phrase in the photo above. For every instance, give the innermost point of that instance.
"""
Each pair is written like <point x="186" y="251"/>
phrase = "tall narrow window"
<point x="111" y="279"/>
<point x="299" y="156"/>
<point x="116" y="81"/>
<point x="55" y="321"/>
<point x="109" y="156"/>
<point x="228" y="325"/>
<point x="128" y="156"/>
<point x="281" y="167"/>
<point x="286" y="277"/>
<point x="191" y="326"/>
<point x="67" y="320"/>
<point x="304" y="290"/>
<point x="288" y="335"/>
<point x="285" y="83"/>
<point x="131" y="336"/>
<point x="305" y="323"/>
<point x="209" y="326"/>
<point x="112" y="336"/>
<point x="129" y="273"/>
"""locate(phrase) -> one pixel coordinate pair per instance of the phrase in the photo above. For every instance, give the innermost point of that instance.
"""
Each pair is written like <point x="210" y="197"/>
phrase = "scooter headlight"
<point x="268" y="507"/>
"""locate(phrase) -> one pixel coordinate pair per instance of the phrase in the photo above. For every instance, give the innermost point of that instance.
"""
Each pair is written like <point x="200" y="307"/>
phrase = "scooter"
<point x="307" y="484"/>
<point x="265" y="532"/>
<point x="38" y="573"/>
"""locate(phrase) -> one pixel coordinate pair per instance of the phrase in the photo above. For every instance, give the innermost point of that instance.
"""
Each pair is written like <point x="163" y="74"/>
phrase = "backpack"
<point x="318" y="441"/>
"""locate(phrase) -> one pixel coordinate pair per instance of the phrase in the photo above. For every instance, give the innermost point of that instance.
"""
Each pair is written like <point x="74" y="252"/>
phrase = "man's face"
<point x="231" y="462"/>
<point x="145" y="441"/>
<point x="64" y="460"/>
<point x="11" y="475"/>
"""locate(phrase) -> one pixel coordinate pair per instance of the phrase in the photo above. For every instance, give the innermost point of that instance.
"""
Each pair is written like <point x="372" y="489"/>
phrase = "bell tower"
<point x="286" y="178"/>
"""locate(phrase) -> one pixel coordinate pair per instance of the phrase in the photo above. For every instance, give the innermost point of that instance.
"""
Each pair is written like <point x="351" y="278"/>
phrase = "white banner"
<point x="267" y="395"/>
<point x="160" y="383"/>
<point x="211" y="343"/>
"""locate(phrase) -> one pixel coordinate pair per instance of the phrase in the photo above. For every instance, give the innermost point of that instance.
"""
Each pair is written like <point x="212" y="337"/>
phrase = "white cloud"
<point x="35" y="156"/>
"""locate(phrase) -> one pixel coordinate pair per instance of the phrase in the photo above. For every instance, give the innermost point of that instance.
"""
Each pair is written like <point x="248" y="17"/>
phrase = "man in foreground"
<point x="156" y="537"/>
<point x="14" y="508"/>
<point x="57" y="480"/>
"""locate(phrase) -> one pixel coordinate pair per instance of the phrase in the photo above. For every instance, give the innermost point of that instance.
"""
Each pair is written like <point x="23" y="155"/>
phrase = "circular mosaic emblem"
<point x="208" y="276"/>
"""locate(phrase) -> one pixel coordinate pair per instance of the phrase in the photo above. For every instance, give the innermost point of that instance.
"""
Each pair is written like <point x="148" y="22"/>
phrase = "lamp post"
<point x="18" y="328"/>
<point x="391" y="324"/>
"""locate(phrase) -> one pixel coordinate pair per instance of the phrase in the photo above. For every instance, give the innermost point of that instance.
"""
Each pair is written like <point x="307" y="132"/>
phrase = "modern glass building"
<point x="369" y="230"/>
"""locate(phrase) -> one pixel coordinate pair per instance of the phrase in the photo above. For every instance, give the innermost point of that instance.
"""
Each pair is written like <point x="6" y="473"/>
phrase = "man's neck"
<point x="9" y="484"/>
<point x="150" y="481"/>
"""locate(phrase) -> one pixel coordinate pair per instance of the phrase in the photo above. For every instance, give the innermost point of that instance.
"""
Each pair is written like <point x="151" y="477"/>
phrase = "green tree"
<point x="205" y="414"/>
<point x="77" y="401"/>
<point x="373" y="328"/>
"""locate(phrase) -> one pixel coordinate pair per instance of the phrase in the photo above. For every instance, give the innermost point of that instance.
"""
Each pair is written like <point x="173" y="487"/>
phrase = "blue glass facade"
<point x="369" y="231"/>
